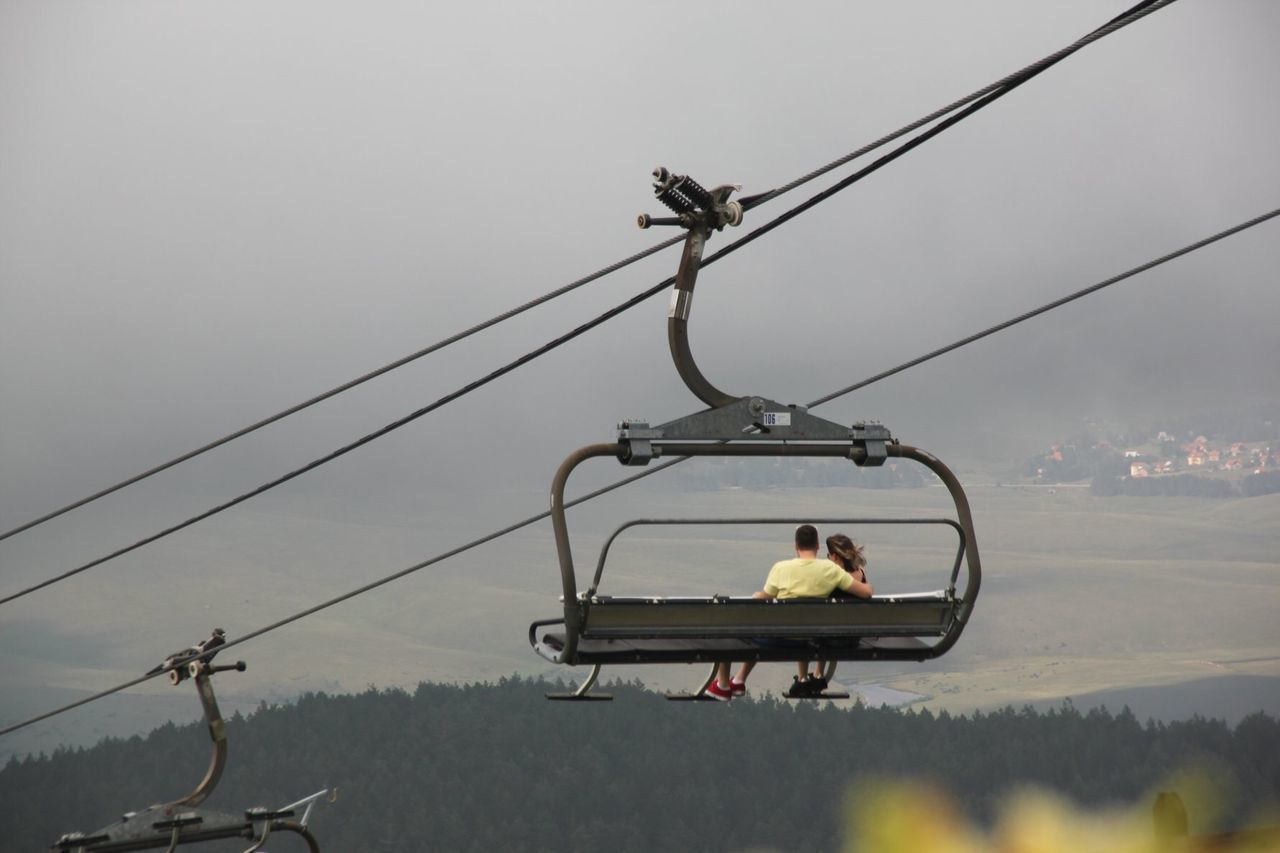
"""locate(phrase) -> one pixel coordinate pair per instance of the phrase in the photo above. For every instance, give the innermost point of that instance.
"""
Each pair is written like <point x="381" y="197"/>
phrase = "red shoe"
<point x="720" y="694"/>
<point x="737" y="688"/>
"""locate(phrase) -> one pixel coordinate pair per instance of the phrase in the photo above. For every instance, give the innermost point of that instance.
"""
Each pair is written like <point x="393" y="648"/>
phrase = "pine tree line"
<point x="488" y="767"/>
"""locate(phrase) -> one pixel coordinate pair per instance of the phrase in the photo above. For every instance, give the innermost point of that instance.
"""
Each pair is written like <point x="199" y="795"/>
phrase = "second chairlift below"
<point x="597" y="630"/>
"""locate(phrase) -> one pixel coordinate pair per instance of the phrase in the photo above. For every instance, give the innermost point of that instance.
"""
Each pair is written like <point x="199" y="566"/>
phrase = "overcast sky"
<point x="211" y="211"/>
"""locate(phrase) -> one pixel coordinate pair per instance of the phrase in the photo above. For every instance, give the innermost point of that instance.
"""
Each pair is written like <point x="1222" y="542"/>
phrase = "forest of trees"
<point x="1178" y="485"/>
<point x="496" y="767"/>
<point x="1259" y="423"/>
<point x="1186" y="485"/>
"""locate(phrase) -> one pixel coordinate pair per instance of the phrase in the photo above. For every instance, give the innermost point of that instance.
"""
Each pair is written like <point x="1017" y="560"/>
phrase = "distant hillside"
<point x="496" y="767"/>
<point x="1233" y="697"/>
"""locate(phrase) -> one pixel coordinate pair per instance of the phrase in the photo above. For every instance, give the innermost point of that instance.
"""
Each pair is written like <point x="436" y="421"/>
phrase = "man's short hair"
<point x="807" y="537"/>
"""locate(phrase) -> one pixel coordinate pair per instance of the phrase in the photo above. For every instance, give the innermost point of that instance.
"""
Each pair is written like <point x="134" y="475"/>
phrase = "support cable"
<point x="729" y="248"/>
<point x="633" y="478"/>
<point x="344" y="597"/>
<point x="1000" y="86"/>
<point x="1049" y="306"/>
<point x="360" y="442"/>
<point x="347" y="386"/>
<point x="1141" y="10"/>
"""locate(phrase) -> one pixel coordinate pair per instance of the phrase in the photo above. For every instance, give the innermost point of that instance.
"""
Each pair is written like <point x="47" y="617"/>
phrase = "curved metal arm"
<point x="569" y="584"/>
<point x="974" y="574"/>
<point x="678" y="322"/>
<point x="217" y="733"/>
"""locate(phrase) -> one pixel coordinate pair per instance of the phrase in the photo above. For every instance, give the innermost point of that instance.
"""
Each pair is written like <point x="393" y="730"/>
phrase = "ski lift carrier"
<point x="180" y="822"/>
<point x="598" y="630"/>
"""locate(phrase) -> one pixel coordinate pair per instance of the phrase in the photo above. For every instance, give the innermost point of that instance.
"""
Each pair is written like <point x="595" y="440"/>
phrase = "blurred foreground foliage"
<point x="495" y="766"/>
<point x="906" y="817"/>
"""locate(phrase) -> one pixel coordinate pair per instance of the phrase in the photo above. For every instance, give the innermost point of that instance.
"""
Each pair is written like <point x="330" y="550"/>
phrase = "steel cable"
<point x="647" y="472"/>
<point x="751" y="236"/>
<point x="347" y="386"/>
<point x="1135" y="13"/>
<point x="344" y="597"/>
<point x="1049" y="306"/>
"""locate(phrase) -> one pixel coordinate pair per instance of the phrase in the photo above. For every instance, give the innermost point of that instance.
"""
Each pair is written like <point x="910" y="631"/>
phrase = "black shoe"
<point x="804" y="689"/>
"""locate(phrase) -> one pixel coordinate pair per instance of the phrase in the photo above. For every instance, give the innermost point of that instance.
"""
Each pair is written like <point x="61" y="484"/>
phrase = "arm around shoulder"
<point x="856" y="584"/>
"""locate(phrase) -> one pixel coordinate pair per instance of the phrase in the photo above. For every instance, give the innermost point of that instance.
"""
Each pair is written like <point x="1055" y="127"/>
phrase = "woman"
<point x="844" y="552"/>
<point x="847" y="554"/>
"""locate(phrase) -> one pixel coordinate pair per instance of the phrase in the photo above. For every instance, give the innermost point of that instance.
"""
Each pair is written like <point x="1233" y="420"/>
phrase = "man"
<point x="805" y="576"/>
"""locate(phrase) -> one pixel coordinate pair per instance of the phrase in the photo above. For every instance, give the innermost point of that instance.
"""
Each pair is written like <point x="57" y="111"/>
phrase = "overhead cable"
<point x="347" y="386"/>
<point x="633" y="478"/>
<point x="729" y="248"/>
<point x="347" y="448"/>
<point x="344" y="597"/>
<point x="1135" y="13"/>
<point x="1048" y="306"/>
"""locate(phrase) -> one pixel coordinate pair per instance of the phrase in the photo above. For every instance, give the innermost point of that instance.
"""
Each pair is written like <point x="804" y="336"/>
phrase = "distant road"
<point x="1022" y="485"/>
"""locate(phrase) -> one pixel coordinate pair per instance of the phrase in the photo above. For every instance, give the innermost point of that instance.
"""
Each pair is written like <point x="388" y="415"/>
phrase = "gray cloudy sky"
<point x="210" y="211"/>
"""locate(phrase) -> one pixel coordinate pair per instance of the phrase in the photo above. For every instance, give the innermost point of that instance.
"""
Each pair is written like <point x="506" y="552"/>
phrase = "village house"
<point x="1139" y="469"/>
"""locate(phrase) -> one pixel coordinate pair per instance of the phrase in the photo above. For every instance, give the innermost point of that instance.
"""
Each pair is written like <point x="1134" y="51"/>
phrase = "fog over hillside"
<point x="210" y="212"/>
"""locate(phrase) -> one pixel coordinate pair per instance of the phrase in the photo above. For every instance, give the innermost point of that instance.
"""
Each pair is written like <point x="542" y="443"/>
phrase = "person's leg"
<point x="743" y="671"/>
<point x="719" y="687"/>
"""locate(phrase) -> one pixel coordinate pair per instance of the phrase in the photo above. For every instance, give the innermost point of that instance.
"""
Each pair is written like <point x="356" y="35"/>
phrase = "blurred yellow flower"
<point x="908" y="817"/>
<point x="905" y="817"/>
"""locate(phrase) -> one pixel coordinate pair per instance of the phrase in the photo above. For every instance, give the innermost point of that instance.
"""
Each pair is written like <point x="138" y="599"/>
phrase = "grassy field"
<point x="1080" y="594"/>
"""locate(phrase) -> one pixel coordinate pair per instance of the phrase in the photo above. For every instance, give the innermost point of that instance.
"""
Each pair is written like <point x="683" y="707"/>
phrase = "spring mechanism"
<point x="680" y="193"/>
<point x="677" y="201"/>
<point x="692" y="203"/>
<point x="694" y="191"/>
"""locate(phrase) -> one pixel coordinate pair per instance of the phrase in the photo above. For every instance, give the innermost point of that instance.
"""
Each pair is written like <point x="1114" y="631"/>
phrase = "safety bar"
<point x="639" y="522"/>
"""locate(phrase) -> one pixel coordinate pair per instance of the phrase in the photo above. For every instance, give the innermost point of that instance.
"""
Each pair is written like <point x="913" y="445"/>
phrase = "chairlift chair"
<point x="180" y="822"/>
<point x="598" y="630"/>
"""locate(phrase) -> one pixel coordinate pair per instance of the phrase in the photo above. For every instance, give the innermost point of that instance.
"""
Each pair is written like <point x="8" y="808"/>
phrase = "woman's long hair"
<point x="849" y="552"/>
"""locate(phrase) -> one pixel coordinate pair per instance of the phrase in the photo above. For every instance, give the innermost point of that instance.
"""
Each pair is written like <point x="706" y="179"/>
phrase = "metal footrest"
<point x="826" y="694"/>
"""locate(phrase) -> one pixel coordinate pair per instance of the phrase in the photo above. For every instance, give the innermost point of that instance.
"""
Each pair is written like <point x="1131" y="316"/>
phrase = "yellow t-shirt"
<point x="806" y="578"/>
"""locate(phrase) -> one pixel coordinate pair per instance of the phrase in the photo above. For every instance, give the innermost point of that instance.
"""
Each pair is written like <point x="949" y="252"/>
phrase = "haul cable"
<point x="1135" y="13"/>
<point x="755" y="234"/>
<point x="346" y="386"/>
<point x="647" y="472"/>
